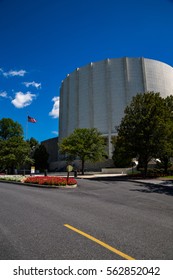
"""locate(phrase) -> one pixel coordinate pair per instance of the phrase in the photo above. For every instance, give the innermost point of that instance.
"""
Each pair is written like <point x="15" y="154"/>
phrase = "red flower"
<point x="50" y="180"/>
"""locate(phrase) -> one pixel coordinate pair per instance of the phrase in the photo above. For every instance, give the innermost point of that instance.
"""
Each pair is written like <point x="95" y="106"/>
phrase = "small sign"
<point x="32" y="169"/>
<point x="69" y="168"/>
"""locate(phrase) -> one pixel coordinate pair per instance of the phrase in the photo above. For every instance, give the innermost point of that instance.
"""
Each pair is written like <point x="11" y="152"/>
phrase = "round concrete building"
<point x="96" y="95"/>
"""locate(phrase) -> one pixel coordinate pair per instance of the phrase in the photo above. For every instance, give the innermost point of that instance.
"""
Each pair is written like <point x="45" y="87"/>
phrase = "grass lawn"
<point x="167" y="177"/>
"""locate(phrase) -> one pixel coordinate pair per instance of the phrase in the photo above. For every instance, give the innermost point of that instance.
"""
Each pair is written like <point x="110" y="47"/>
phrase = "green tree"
<point x="85" y="144"/>
<point x="166" y="151"/>
<point x="145" y="128"/>
<point x="121" y="156"/>
<point x="33" y="143"/>
<point x="40" y="157"/>
<point x="9" y="128"/>
<point x="14" y="153"/>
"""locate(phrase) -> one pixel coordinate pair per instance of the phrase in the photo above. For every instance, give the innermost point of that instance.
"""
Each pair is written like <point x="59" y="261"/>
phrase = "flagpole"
<point x="31" y="120"/>
<point x="26" y="136"/>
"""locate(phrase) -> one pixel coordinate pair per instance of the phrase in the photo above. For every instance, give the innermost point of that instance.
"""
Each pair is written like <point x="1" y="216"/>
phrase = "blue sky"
<point x="41" y="41"/>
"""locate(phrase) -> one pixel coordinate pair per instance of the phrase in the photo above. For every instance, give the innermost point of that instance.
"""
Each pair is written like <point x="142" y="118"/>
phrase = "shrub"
<point x="50" y="180"/>
<point x="14" y="178"/>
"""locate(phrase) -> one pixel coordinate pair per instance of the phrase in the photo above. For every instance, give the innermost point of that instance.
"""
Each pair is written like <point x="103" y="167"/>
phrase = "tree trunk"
<point x="166" y="161"/>
<point x="83" y="163"/>
<point x="145" y="170"/>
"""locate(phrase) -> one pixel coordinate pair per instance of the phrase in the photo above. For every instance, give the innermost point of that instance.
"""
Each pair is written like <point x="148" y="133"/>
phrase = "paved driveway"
<point x="97" y="220"/>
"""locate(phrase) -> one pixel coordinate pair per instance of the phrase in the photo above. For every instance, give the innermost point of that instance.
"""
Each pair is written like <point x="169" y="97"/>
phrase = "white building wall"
<point x="159" y="77"/>
<point x="96" y="95"/>
<point x="118" y="91"/>
<point x="135" y="79"/>
<point x="100" y="97"/>
<point x="84" y="97"/>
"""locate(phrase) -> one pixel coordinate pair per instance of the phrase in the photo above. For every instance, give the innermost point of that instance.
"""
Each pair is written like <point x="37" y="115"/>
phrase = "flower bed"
<point x="14" y="178"/>
<point x="50" y="180"/>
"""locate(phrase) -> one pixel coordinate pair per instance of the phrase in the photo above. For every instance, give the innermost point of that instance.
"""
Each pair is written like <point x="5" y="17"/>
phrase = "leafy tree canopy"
<point x="9" y="128"/>
<point x="146" y="129"/>
<point x="121" y="156"/>
<point x="32" y="142"/>
<point x="40" y="157"/>
<point x="14" y="153"/>
<point x="84" y="143"/>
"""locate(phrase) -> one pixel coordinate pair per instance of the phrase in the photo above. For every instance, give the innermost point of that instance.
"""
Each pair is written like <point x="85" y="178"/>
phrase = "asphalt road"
<point x="133" y="218"/>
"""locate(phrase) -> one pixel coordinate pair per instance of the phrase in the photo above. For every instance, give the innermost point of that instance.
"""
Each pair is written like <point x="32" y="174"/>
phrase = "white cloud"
<point x="55" y="132"/>
<point x="55" y="110"/>
<point x="4" y="94"/>
<point x="33" y="84"/>
<point x="22" y="100"/>
<point x="13" y="73"/>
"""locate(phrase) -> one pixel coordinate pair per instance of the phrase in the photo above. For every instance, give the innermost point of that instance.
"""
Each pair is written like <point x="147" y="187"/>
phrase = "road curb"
<point x="40" y="186"/>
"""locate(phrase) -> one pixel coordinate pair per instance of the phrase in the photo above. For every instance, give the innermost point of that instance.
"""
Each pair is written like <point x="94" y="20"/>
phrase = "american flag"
<point x="32" y="120"/>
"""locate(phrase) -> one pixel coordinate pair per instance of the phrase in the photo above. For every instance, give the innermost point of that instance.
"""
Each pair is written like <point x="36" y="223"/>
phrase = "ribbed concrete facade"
<point x="96" y="95"/>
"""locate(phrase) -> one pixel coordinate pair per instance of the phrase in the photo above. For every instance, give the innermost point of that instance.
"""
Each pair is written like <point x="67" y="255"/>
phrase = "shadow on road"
<point x="109" y="178"/>
<point x="153" y="188"/>
<point x="164" y="188"/>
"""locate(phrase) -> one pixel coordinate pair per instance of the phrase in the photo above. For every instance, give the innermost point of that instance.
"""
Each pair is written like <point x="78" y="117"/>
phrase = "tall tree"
<point x="85" y="144"/>
<point x="121" y="156"/>
<point x="9" y="128"/>
<point x="14" y="153"/>
<point x="32" y="142"/>
<point x="40" y="157"/>
<point x="166" y="151"/>
<point x="145" y="127"/>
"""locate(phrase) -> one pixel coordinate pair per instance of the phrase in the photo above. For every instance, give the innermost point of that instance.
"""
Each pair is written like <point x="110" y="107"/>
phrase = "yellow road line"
<point x="100" y="243"/>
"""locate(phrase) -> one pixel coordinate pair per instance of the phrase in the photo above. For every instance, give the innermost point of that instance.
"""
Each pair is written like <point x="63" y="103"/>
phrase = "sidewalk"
<point x="113" y="176"/>
<point x="100" y="176"/>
